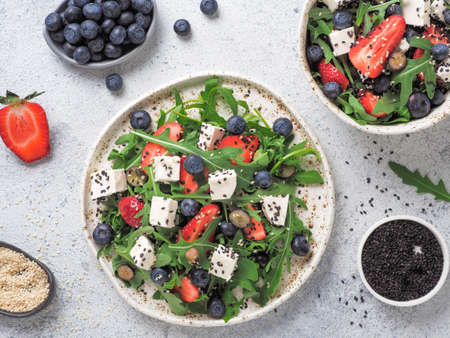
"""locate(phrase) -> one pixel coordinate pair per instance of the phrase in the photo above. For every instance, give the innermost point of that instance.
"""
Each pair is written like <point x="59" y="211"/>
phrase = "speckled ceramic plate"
<point x="320" y="198"/>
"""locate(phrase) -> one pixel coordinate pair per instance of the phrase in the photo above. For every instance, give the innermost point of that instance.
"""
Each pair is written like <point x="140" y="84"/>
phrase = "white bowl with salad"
<point x="208" y="202"/>
<point x="381" y="66"/>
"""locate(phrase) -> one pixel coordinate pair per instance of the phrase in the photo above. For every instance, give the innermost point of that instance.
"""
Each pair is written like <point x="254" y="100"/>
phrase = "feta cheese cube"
<point x="210" y="136"/>
<point x="416" y="12"/>
<point x="163" y="211"/>
<point x="342" y="40"/>
<point x="143" y="253"/>
<point x="443" y="70"/>
<point x="223" y="262"/>
<point x="275" y="208"/>
<point x="334" y="4"/>
<point x="403" y="46"/>
<point x="222" y="184"/>
<point x="437" y="10"/>
<point x="167" y="169"/>
<point x="106" y="182"/>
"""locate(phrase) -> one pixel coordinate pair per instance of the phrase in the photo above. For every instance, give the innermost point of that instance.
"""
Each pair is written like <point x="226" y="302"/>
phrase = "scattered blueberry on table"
<point x="209" y="7"/>
<point x="182" y="27"/>
<point x="114" y="82"/>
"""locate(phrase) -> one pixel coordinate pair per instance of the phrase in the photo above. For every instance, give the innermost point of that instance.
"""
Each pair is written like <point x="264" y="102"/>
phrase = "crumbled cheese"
<point x="222" y="184"/>
<point x="210" y="136"/>
<point x="334" y="4"/>
<point x="143" y="253"/>
<point x="106" y="182"/>
<point x="275" y="208"/>
<point x="163" y="211"/>
<point x="443" y="70"/>
<point x="167" y="168"/>
<point x="437" y="10"/>
<point x="342" y="40"/>
<point x="416" y="12"/>
<point x="403" y="46"/>
<point x="223" y="262"/>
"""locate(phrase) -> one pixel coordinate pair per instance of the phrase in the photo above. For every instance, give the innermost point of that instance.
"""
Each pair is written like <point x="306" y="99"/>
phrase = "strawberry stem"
<point x="14" y="99"/>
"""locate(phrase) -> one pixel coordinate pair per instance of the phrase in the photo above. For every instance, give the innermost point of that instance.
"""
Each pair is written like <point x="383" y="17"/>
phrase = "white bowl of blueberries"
<point x="98" y="34"/>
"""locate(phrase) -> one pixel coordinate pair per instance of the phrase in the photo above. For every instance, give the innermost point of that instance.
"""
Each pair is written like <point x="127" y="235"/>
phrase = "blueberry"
<point x="143" y="6"/>
<point x="282" y="126"/>
<point x="342" y="19"/>
<point x="159" y="276"/>
<point x="103" y="234"/>
<point x="112" y="51"/>
<point x="118" y="35"/>
<point x="82" y="55"/>
<point x="126" y="18"/>
<point x="227" y="228"/>
<point x="93" y="11"/>
<point x="394" y="9"/>
<point x="263" y="179"/>
<point x="199" y="277"/>
<point x="72" y="33"/>
<point x="80" y="3"/>
<point x="53" y="22"/>
<point x="189" y="207"/>
<point x="209" y="7"/>
<point x="136" y="34"/>
<point x="314" y="53"/>
<point x="331" y="90"/>
<point x="300" y="245"/>
<point x="71" y="3"/>
<point x="111" y="9"/>
<point x="381" y="84"/>
<point x="73" y="14"/>
<point x="438" y="98"/>
<point x="107" y="26"/>
<point x="89" y="29"/>
<point x="419" y="105"/>
<point x="96" y="45"/>
<point x="182" y="27"/>
<point x="193" y="164"/>
<point x="114" y="82"/>
<point x="410" y="33"/>
<point x="140" y="119"/>
<point x="439" y="51"/>
<point x="236" y="125"/>
<point x="100" y="2"/>
<point x="143" y="20"/>
<point x="96" y="57"/>
<point x="216" y="307"/>
<point x="69" y="49"/>
<point x="447" y="16"/>
<point x="124" y="4"/>
<point x="262" y="259"/>
<point x="57" y="36"/>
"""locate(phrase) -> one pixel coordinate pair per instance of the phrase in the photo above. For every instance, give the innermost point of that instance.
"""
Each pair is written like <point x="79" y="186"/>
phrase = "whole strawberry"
<point x="24" y="127"/>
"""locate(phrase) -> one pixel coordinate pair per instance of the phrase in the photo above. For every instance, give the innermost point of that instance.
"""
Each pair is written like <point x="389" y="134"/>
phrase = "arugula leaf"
<point x="320" y="13"/>
<point x="422" y="183"/>
<point x="361" y="12"/>
<point x="388" y="103"/>
<point x="309" y="177"/>
<point x="176" y="305"/>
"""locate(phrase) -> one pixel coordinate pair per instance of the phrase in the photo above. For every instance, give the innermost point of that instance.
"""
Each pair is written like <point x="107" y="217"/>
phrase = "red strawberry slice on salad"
<point x="249" y="143"/>
<point x="330" y="73"/>
<point x="188" y="180"/>
<point x="24" y="127"/>
<point x="129" y="207"/>
<point x="187" y="291"/>
<point x="369" y="101"/>
<point x="370" y="53"/>
<point x="256" y="230"/>
<point x="195" y="228"/>
<point x="152" y="150"/>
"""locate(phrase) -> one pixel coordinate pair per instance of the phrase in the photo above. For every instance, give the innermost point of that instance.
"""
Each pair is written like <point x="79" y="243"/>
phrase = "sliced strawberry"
<point x="200" y="222"/>
<point x="249" y="143"/>
<point x="188" y="180"/>
<point x="256" y="230"/>
<point x="369" y="101"/>
<point x="418" y="53"/>
<point x="152" y="150"/>
<point x="24" y="127"/>
<point x="188" y="291"/>
<point x="370" y="53"/>
<point x="129" y="206"/>
<point x="330" y="73"/>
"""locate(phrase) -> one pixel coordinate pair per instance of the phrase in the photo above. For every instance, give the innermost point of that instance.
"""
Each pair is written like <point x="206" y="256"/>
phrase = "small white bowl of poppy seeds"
<point x="403" y="260"/>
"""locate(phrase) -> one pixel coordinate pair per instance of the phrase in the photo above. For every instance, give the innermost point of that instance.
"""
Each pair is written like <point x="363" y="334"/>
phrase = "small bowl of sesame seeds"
<point x="27" y="286"/>
<point x="403" y="260"/>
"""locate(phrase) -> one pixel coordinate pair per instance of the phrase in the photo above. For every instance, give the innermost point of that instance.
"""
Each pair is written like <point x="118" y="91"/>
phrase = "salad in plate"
<point x="204" y="206"/>
<point x="382" y="62"/>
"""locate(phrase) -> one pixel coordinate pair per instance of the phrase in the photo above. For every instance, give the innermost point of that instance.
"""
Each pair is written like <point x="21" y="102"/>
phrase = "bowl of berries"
<point x="99" y="34"/>
<point x="381" y="66"/>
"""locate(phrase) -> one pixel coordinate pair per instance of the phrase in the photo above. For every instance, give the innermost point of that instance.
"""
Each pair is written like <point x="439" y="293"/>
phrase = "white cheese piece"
<point x="437" y="10"/>
<point x="403" y="46"/>
<point x="342" y="40"/>
<point x="106" y="182"/>
<point x="275" y="208"/>
<point x="222" y="184"/>
<point x="163" y="211"/>
<point x="334" y="4"/>
<point x="167" y="169"/>
<point x="416" y="12"/>
<point x="143" y="253"/>
<point x="210" y="136"/>
<point x="443" y="70"/>
<point x="223" y="262"/>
